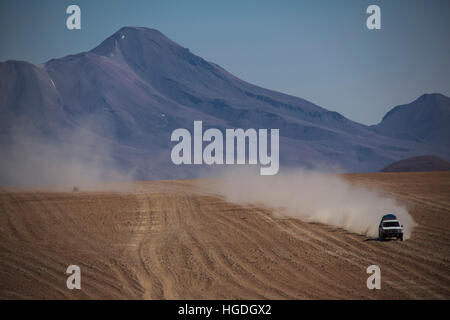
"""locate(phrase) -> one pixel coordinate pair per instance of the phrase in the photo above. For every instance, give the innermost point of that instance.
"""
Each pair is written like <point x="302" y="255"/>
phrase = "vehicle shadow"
<point x="379" y="240"/>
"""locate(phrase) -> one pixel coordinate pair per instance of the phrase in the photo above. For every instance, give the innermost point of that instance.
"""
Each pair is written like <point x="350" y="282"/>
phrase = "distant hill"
<point x="422" y="163"/>
<point x="427" y="119"/>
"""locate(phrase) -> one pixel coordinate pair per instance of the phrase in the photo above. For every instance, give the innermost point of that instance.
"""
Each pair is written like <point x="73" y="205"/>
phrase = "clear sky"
<point x="318" y="50"/>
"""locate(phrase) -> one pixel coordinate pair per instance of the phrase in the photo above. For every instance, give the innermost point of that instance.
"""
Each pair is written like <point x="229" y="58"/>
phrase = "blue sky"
<point x="318" y="50"/>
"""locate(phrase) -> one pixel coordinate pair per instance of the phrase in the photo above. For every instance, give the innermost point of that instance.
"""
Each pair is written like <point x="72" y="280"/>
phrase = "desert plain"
<point x="180" y="240"/>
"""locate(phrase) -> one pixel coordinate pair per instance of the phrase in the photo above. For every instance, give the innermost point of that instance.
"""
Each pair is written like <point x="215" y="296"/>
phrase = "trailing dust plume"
<point x="317" y="197"/>
<point x="67" y="158"/>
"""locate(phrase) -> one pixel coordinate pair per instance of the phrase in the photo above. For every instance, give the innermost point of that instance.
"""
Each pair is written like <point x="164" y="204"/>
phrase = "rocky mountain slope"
<point x="119" y="103"/>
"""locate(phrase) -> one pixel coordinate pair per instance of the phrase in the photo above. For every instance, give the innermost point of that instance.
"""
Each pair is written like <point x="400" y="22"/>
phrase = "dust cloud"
<point x="317" y="197"/>
<point x="73" y="158"/>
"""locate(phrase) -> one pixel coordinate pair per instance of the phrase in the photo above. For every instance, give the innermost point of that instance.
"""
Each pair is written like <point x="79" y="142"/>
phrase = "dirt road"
<point x="176" y="240"/>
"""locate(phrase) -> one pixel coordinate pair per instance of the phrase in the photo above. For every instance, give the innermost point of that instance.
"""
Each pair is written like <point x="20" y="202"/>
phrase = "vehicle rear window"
<point x="391" y="224"/>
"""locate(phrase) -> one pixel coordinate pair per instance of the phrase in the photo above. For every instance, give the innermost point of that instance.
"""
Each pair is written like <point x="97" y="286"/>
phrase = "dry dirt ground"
<point x="175" y="240"/>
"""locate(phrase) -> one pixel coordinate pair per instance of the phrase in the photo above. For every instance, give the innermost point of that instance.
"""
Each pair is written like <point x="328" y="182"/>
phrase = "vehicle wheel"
<point x="401" y="238"/>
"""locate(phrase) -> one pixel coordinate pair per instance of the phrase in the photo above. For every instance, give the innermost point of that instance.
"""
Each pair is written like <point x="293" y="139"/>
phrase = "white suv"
<point x="390" y="228"/>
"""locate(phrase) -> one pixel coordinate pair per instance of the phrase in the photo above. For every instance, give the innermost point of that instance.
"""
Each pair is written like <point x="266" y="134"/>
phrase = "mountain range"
<point x="117" y="105"/>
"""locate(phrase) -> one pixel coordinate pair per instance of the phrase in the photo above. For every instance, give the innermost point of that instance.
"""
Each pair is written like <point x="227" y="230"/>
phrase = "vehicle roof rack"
<point x="389" y="217"/>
